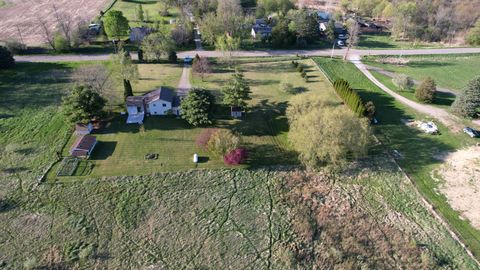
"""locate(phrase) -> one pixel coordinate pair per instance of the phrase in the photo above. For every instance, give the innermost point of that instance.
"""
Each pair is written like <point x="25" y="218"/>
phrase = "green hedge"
<point x="350" y="97"/>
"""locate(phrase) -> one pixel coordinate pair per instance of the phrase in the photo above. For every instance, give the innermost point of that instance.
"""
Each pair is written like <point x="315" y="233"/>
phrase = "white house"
<point x="261" y="29"/>
<point x="236" y="112"/>
<point x="158" y="102"/>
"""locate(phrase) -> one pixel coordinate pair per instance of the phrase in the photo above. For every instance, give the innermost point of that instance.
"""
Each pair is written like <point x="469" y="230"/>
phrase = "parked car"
<point x="428" y="127"/>
<point x="472" y="132"/>
<point x="340" y="43"/>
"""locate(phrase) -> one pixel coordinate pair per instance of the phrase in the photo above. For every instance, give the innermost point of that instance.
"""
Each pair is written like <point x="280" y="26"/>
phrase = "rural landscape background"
<point x="328" y="177"/>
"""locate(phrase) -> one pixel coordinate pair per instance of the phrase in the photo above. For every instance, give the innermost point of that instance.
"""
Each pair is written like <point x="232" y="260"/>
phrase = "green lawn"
<point x="449" y="71"/>
<point x="381" y="41"/>
<point x="417" y="150"/>
<point x="442" y="100"/>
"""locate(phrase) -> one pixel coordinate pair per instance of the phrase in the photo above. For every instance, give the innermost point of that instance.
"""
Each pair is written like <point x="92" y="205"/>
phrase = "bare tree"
<point x="65" y="25"/>
<point x="201" y="66"/>
<point x="353" y="35"/>
<point x="46" y="33"/>
<point x="98" y="77"/>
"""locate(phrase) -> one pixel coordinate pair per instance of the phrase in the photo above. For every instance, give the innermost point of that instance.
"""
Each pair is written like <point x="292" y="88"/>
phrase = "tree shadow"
<point x="443" y="98"/>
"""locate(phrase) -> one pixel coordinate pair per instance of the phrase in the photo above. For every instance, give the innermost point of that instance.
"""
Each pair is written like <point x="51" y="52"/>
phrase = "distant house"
<point x="323" y="16"/>
<point x="158" y="102"/>
<point x="137" y="34"/>
<point x="83" y="129"/>
<point x="236" y="112"/>
<point x="83" y="146"/>
<point x="94" y="28"/>
<point x="261" y="29"/>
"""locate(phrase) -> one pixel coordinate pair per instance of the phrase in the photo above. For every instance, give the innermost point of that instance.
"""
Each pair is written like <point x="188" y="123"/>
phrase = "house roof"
<point x="237" y="109"/>
<point x="82" y="127"/>
<point x="176" y="101"/>
<point x="134" y="101"/>
<point x="162" y="93"/>
<point x="84" y="143"/>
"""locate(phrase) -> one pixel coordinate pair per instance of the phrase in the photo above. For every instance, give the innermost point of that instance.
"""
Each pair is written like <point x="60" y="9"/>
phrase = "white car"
<point x="428" y="127"/>
<point x="471" y="132"/>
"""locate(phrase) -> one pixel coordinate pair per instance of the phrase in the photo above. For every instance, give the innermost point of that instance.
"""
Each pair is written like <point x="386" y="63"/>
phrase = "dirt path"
<point x="184" y="84"/>
<point x="453" y="122"/>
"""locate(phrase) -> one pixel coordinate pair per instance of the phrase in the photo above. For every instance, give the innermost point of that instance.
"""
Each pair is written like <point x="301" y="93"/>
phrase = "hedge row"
<point x="349" y="96"/>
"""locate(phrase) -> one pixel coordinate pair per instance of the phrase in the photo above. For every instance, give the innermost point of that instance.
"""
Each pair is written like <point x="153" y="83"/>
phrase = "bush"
<point x="370" y="110"/>
<point x="299" y="68"/>
<point x="15" y="46"/>
<point x="60" y="43"/>
<point x="204" y="137"/>
<point x="294" y="64"/>
<point x="172" y="57"/>
<point x="303" y="74"/>
<point x="6" y="58"/>
<point x="286" y="87"/>
<point x="403" y="82"/>
<point x="426" y="91"/>
<point x="235" y="157"/>
<point x="473" y="36"/>
<point x="222" y="142"/>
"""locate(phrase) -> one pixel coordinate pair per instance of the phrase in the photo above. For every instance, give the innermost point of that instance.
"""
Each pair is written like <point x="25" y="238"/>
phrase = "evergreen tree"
<point x="426" y="90"/>
<point x="140" y="13"/>
<point x="197" y="107"/>
<point x="237" y="91"/>
<point x="6" y="58"/>
<point x="467" y="103"/>
<point x="82" y="104"/>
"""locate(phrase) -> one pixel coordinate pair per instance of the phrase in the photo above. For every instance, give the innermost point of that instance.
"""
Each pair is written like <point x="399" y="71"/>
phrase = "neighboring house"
<point x="83" y="146"/>
<point x="261" y="29"/>
<point x="236" y="112"/>
<point x="323" y="16"/>
<point x="158" y="102"/>
<point x="83" y="129"/>
<point x="137" y="34"/>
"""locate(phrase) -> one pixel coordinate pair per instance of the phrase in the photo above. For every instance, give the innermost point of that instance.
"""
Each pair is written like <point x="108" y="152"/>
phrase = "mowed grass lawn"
<point x="383" y="40"/>
<point x="417" y="150"/>
<point x="122" y="148"/>
<point x="449" y="71"/>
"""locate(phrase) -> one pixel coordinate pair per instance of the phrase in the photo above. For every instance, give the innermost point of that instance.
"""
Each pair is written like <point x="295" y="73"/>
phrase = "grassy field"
<point x="442" y="100"/>
<point x="383" y="41"/>
<point x="223" y="219"/>
<point x="417" y="150"/>
<point x="31" y="128"/>
<point x="449" y="71"/>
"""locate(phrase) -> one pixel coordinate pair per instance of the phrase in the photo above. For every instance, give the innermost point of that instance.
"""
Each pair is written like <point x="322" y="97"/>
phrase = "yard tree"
<point x="403" y="82"/>
<point x="324" y="133"/>
<point x="197" y="107"/>
<point x="124" y="70"/>
<point x="156" y="45"/>
<point x="115" y="24"/>
<point x="281" y="35"/>
<point x="330" y="31"/>
<point x="353" y="35"/>
<point x="98" y="77"/>
<point x="473" y="37"/>
<point x="305" y="25"/>
<point x="140" y="14"/>
<point x="82" y="104"/>
<point x="236" y="91"/>
<point x="227" y="44"/>
<point x="426" y="90"/>
<point x="6" y="58"/>
<point x="201" y="66"/>
<point x="467" y="103"/>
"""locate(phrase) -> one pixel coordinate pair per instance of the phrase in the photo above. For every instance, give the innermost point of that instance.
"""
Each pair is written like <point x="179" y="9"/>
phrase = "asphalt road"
<point x="269" y="53"/>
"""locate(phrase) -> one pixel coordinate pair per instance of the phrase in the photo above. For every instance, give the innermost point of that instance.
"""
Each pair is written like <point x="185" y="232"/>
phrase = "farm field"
<point x="151" y="10"/>
<point x="23" y="16"/>
<point x="449" y="71"/>
<point x="225" y="218"/>
<point x="418" y="154"/>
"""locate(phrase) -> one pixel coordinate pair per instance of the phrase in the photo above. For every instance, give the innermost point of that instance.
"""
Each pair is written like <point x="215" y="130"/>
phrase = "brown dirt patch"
<point x="22" y="16"/>
<point x="461" y="172"/>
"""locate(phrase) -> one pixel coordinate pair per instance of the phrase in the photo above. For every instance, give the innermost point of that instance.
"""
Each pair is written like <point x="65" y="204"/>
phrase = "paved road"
<point x="451" y="121"/>
<point x="215" y="54"/>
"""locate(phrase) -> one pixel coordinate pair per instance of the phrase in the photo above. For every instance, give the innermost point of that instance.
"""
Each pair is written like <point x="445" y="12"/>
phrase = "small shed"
<point x="83" y="129"/>
<point x="236" y="112"/>
<point x="83" y="146"/>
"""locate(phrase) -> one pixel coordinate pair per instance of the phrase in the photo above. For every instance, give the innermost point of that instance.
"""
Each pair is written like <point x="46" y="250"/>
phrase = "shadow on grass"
<point x="443" y="98"/>
<point x="103" y="150"/>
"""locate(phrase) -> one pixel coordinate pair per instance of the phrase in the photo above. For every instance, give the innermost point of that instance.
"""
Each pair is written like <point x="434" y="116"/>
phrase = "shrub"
<point x="15" y="46"/>
<point x="426" y="91"/>
<point x="370" y="110"/>
<point x="403" y="82"/>
<point x="222" y="142"/>
<point x="294" y="63"/>
<point x="172" y="57"/>
<point x="61" y="43"/>
<point x="473" y="36"/>
<point x="6" y="58"/>
<point x="467" y="103"/>
<point x="287" y="87"/>
<point x="299" y="68"/>
<point x="303" y="74"/>
<point x="204" y="137"/>
<point x="235" y="157"/>
<point x="349" y="96"/>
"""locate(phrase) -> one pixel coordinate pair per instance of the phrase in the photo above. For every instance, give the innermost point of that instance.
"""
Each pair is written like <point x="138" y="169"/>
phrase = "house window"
<point x="139" y="109"/>
<point x="164" y="105"/>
